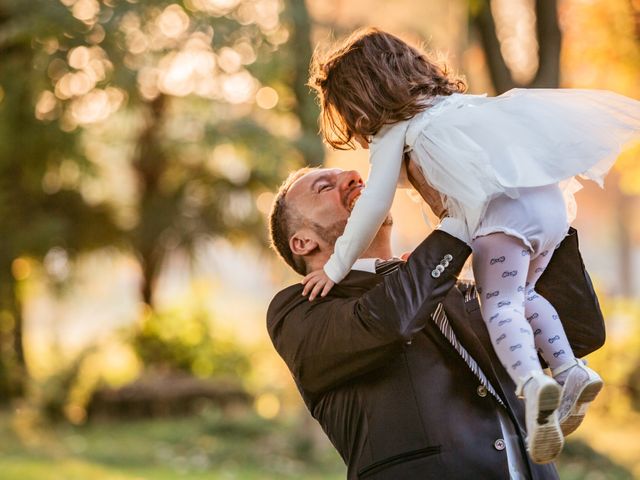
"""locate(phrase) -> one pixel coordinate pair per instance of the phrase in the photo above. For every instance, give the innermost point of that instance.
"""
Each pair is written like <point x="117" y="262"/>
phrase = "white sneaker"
<point x="581" y="386"/>
<point x="541" y="395"/>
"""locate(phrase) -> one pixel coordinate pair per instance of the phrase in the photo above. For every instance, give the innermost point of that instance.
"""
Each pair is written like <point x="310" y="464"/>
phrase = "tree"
<point x="548" y="37"/>
<point x="33" y="219"/>
<point x="200" y="99"/>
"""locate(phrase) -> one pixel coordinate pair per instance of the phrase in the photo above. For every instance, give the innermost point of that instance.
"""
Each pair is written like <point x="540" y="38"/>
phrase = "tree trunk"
<point x="624" y="218"/>
<point x="634" y="5"/>
<point x="12" y="363"/>
<point x="150" y="164"/>
<point x="484" y="22"/>
<point x="306" y="109"/>
<point x="549" y="42"/>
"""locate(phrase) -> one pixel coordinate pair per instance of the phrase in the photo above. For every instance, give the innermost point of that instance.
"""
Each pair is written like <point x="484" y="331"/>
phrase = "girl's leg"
<point x="581" y="384"/>
<point x="548" y="332"/>
<point x="500" y="266"/>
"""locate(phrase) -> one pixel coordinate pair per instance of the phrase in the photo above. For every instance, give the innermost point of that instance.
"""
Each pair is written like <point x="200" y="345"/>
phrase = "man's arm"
<point x="332" y="340"/>
<point x="565" y="282"/>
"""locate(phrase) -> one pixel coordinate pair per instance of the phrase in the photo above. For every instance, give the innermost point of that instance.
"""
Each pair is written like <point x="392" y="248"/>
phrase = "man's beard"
<point x="332" y="232"/>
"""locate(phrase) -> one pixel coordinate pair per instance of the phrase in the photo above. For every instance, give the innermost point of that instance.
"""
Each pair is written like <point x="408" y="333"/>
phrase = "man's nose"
<point x="350" y="179"/>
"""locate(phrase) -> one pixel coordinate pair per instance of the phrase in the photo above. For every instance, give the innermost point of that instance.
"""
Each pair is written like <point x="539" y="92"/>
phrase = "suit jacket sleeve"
<point x="331" y="340"/>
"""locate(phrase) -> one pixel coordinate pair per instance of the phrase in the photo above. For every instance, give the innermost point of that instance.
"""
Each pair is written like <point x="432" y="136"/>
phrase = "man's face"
<point x="325" y="198"/>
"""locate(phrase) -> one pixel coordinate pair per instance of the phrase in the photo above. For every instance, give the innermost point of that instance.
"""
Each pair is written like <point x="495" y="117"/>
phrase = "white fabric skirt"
<point x="474" y="148"/>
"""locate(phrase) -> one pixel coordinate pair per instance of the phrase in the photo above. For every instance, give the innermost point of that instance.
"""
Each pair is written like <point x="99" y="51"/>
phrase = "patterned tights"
<point x="520" y="321"/>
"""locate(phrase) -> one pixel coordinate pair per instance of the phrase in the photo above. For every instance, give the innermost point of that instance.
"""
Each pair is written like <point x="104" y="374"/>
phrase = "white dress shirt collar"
<point x="365" y="265"/>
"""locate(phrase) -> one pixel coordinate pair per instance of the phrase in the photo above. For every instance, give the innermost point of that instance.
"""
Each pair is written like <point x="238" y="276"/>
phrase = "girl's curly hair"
<point x="372" y="79"/>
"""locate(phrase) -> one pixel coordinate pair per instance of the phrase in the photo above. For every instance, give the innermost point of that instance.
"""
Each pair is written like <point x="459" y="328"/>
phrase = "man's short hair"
<point x="284" y="220"/>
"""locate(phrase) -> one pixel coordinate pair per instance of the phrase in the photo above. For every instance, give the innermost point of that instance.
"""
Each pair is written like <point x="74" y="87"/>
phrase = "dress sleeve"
<point x="386" y="153"/>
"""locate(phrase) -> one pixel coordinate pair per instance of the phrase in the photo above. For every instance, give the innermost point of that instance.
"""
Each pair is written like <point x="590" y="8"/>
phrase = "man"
<point x="397" y="368"/>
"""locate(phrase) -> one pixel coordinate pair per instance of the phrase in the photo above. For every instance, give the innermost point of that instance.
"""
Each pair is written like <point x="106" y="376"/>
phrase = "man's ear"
<point x="302" y="245"/>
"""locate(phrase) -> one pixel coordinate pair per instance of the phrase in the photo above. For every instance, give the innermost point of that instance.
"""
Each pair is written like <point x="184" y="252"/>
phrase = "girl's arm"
<point x="386" y="156"/>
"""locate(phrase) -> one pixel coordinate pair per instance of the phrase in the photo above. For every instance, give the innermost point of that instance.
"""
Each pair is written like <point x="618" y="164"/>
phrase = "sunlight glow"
<point x="267" y="98"/>
<point x="264" y="201"/>
<point x="224" y="160"/>
<point x="46" y="106"/>
<point x="96" y="105"/>
<point x="21" y="268"/>
<point x="239" y="87"/>
<point x="267" y="405"/>
<point x="56" y="263"/>
<point x="86" y="10"/>
<point x="213" y="7"/>
<point x="173" y="22"/>
<point x="229" y="60"/>
<point x="183" y="73"/>
<point x="246" y="52"/>
<point x="97" y="34"/>
<point x="79" y="57"/>
<point x="515" y="27"/>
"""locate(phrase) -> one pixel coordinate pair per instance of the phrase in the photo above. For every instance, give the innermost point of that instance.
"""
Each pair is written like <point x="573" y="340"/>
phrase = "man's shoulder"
<point x="285" y="300"/>
<point x="289" y="303"/>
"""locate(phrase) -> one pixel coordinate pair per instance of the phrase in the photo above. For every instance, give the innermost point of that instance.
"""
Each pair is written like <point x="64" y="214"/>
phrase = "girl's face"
<point x="362" y="141"/>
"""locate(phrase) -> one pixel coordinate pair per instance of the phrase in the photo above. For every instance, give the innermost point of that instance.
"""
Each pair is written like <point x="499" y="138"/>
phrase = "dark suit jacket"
<point x="392" y="395"/>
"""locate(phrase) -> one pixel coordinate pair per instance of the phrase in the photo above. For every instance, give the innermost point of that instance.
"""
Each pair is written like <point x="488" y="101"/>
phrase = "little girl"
<point x="504" y="167"/>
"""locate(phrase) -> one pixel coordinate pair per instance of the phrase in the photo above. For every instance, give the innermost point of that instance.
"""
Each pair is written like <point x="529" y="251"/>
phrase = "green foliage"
<point x="167" y="91"/>
<point x="184" y="341"/>
<point x="52" y="395"/>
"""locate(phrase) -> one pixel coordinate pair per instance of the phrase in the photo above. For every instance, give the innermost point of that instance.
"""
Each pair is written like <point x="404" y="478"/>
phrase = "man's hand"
<point x="426" y="191"/>
<point x="318" y="283"/>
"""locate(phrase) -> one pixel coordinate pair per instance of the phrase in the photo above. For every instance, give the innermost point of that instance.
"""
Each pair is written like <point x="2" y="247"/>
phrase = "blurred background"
<point x="140" y="143"/>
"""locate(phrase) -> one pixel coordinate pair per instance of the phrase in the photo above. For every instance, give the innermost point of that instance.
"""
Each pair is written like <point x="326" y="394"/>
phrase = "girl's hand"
<point x="318" y="283"/>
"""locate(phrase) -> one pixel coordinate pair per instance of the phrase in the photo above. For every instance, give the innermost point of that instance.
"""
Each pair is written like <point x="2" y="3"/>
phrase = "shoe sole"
<point x="574" y="418"/>
<point x="546" y="441"/>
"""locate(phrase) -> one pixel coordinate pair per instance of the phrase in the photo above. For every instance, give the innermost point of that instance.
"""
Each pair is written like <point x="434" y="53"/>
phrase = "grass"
<point x="204" y="447"/>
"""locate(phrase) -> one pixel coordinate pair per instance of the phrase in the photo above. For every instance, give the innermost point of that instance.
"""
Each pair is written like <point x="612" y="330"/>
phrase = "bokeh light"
<point x="267" y="98"/>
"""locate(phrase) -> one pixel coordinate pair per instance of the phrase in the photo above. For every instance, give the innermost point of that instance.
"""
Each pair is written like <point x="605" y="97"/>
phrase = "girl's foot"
<point x="580" y="386"/>
<point x="541" y="396"/>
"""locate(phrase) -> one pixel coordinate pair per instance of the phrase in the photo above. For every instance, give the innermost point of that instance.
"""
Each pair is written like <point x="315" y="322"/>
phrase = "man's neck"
<point x="380" y="246"/>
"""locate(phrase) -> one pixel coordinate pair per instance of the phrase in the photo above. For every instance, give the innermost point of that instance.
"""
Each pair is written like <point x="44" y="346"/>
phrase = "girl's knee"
<point x="502" y="316"/>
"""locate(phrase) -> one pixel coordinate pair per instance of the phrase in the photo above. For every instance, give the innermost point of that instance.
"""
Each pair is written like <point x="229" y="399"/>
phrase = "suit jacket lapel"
<point x="464" y="317"/>
<point x="466" y="320"/>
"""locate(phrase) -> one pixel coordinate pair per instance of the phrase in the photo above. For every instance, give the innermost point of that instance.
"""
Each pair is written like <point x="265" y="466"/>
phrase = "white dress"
<point x="474" y="148"/>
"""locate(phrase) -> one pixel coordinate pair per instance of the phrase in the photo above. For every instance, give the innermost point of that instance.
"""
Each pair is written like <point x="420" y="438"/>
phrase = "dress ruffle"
<point x="472" y="148"/>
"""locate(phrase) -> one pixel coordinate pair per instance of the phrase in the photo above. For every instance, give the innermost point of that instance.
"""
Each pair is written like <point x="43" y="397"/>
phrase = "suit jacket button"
<point x="444" y="263"/>
<point x="440" y="268"/>
<point x="448" y="257"/>
<point x="499" y="444"/>
<point x="435" y="273"/>
<point x="482" y="391"/>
